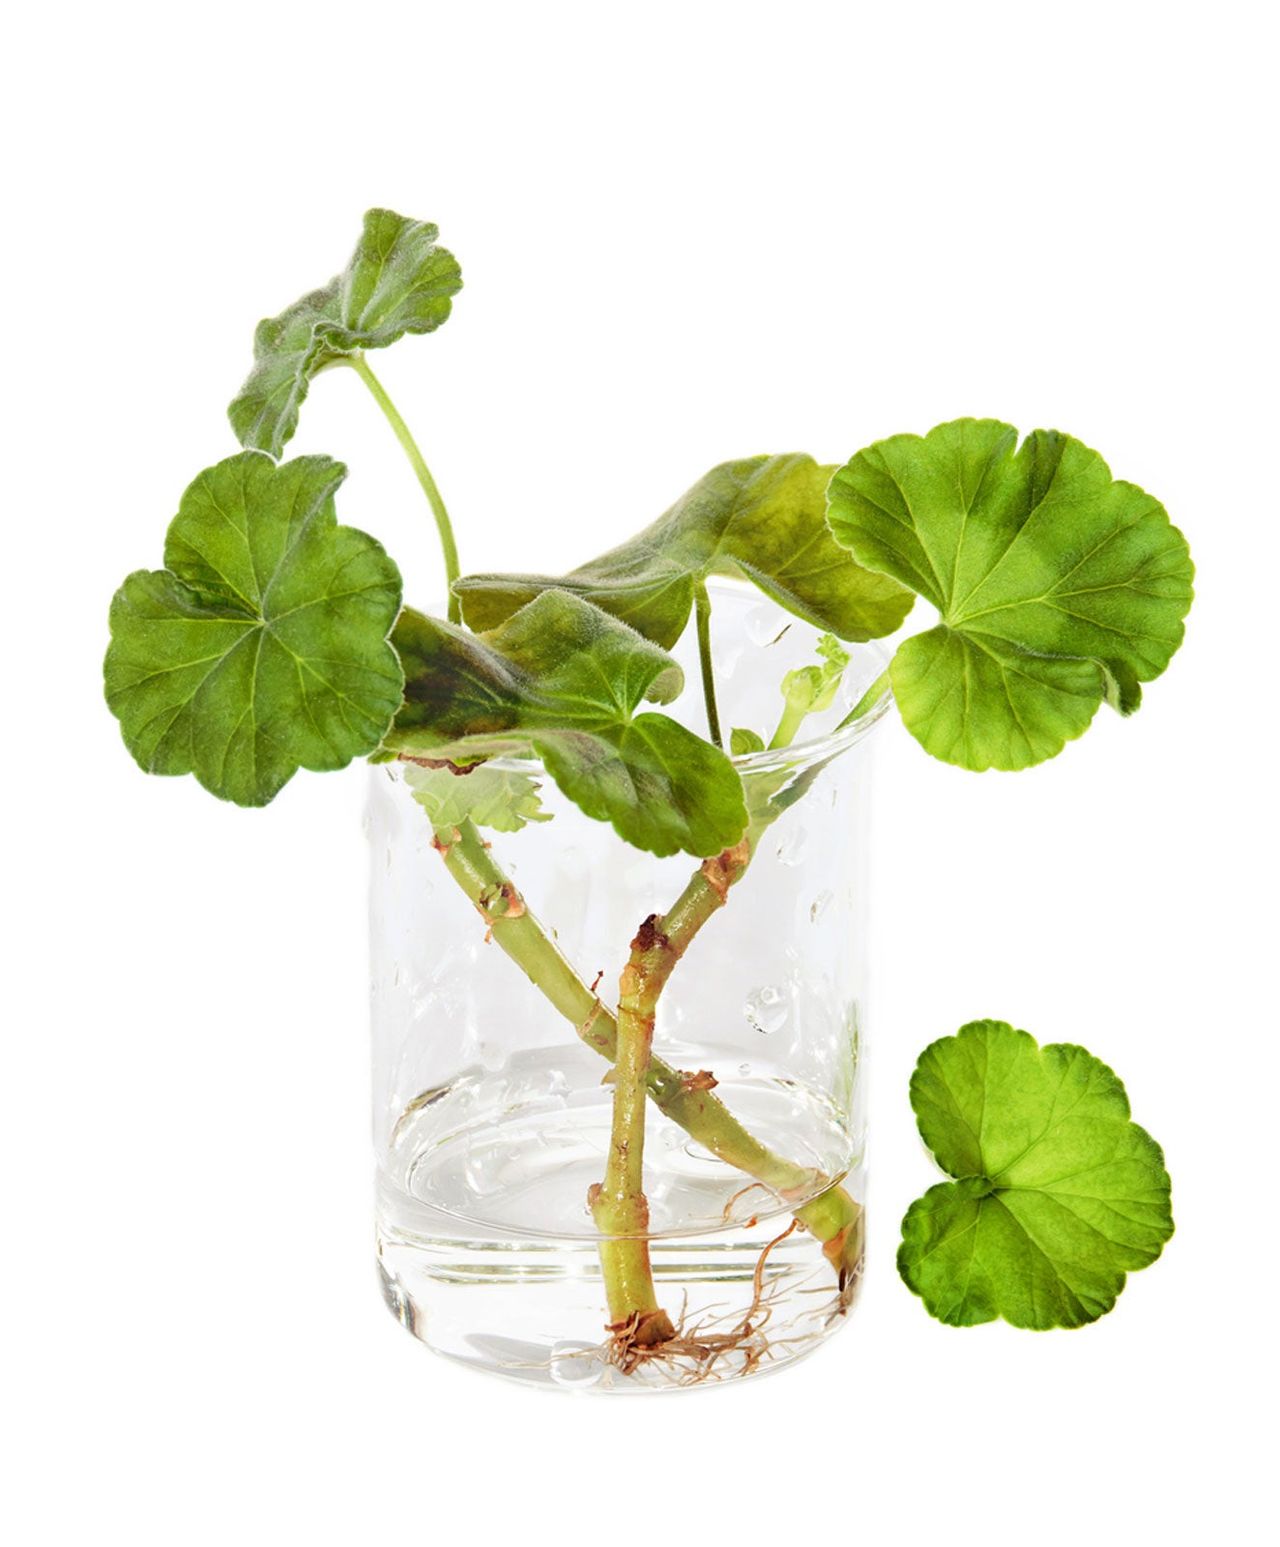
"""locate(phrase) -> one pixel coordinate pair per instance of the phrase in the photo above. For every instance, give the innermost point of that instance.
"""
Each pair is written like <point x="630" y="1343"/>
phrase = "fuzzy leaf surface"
<point x="760" y="519"/>
<point x="562" y="680"/>
<point x="1058" y="586"/>
<point x="261" y="647"/>
<point x="1058" y="1194"/>
<point x="397" y="281"/>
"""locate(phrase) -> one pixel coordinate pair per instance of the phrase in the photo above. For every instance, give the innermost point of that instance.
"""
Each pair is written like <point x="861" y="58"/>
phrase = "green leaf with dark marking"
<point x="261" y="647"/>
<point x="1058" y="586"/>
<point x="398" y="281"/>
<point x="562" y="680"/>
<point x="1057" y="1194"/>
<point x="761" y="519"/>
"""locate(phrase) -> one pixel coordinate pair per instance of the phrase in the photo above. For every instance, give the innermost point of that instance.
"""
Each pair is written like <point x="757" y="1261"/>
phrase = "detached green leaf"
<point x="1058" y="1194"/>
<point x="761" y="519"/>
<point x="1058" y="585"/>
<point x="504" y="799"/>
<point x="562" y="679"/>
<point x="397" y="281"/>
<point x="261" y="648"/>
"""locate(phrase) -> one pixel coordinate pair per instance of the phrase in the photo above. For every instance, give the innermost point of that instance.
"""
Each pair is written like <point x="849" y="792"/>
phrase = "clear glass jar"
<point x="492" y="1103"/>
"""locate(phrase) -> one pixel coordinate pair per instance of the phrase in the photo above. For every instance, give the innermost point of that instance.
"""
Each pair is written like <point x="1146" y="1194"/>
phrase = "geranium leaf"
<point x="562" y="679"/>
<point x="504" y="799"/>
<point x="743" y="742"/>
<point x="398" y="281"/>
<point x="1058" y="586"/>
<point x="1058" y="1195"/>
<point x="261" y="647"/>
<point x="761" y="519"/>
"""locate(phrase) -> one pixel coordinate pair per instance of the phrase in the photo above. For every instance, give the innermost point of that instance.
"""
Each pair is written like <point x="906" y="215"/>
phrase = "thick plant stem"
<point x="687" y="1099"/>
<point x="702" y="610"/>
<point x="444" y="526"/>
<point x="618" y="1204"/>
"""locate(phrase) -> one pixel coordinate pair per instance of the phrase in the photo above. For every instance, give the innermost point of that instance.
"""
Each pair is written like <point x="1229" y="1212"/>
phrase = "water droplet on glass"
<point x="794" y="843"/>
<point x="766" y="1009"/>
<point x="726" y="661"/>
<point x="478" y="1175"/>
<point x="819" y="906"/>
<point x="575" y="1364"/>
<point x="761" y="625"/>
<point x="695" y="1151"/>
<point x="744" y="1069"/>
<point x="572" y="862"/>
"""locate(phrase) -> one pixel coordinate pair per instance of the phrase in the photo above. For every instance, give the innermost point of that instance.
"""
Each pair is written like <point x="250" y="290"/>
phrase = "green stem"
<point x="833" y="1216"/>
<point x="793" y="717"/>
<point x="686" y="1100"/>
<point x="360" y="365"/>
<point x="702" y="610"/>
<point x="618" y="1204"/>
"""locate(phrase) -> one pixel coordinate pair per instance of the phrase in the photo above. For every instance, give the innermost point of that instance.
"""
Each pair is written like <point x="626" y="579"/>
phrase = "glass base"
<point x="487" y="1252"/>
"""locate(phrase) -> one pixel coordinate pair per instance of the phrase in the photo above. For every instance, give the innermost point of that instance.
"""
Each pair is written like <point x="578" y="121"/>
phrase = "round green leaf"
<point x="1058" y="1195"/>
<point x="398" y="281"/>
<point x="1058" y="586"/>
<point x="262" y="646"/>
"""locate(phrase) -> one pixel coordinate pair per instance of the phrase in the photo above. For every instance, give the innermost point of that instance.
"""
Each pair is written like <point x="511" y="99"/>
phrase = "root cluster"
<point x="701" y="1351"/>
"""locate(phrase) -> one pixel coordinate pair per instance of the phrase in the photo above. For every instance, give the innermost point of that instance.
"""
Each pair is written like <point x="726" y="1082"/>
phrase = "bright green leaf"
<point x="563" y="679"/>
<point x="1057" y="585"/>
<point x="742" y="743"/>
<point x="489" y="795"/>
<point x="398" y="281"/>
<point x="762" y="519"/>
<point x="262" y="647"/>
<point x="1058" y="1195"/>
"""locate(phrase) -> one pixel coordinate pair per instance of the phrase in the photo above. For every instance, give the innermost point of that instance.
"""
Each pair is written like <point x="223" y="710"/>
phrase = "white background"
<point x="688" y="232"/>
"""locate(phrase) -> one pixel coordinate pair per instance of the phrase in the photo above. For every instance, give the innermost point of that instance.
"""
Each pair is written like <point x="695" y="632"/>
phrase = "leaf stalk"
<point x="449" y="547"/>
<point x="702" y="611"/>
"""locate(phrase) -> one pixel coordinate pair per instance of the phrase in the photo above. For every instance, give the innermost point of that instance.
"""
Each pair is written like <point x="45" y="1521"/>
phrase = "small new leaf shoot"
<point x="1057" y="1194"/>
<point x="742" y="743"/>
<point x="810" y="689"/>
